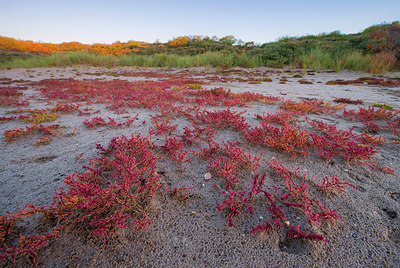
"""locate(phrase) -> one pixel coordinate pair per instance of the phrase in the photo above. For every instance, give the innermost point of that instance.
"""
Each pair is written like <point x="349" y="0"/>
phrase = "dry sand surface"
<point x="193" y="233"/>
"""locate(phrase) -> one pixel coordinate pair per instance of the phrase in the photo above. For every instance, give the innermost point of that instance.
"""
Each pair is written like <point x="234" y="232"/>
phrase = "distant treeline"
<point x="376" y="49"/>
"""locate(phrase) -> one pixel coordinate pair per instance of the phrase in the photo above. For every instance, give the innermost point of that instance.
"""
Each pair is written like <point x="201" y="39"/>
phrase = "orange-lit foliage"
<point x="179" y="41"/>
<point x="185" y="40"/>
<point x="115" y="49"/>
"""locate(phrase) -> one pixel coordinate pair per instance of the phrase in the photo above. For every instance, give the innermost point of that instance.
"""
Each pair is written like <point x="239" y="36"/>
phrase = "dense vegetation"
<point x="376" y="50"/>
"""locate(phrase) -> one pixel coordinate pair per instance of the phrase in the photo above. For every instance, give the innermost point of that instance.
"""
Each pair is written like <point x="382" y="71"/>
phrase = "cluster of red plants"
<point x="119" y="95"/>
<point x="347" y="100"/>
<point x="65" y="107"/>
<point x="230" y="161"/>
<point x="6" y="118"/>
<point x="165" y="127"/>
<point x="98" y="121"/>
<point x="11" y="96"/>
<point x="222" y="77"/>
<point x="116" y="189"/>
<point x="370" y="114"/>
<point x="287" y="138"/>
<point x="113" y="193"/>
<point x="306" y="106"/>
<point x="223" y="119"/>
<point x="294" y="196"/>
<point x="335" y="141"/>
<point x="280" y="117"/>
<point x="49" y="131"/>
<point x="394" y="126"/>
<point x="367" y="80"/>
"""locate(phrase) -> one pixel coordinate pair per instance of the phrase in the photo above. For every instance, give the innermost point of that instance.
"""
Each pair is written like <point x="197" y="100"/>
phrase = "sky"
<point x="99" y="21"/>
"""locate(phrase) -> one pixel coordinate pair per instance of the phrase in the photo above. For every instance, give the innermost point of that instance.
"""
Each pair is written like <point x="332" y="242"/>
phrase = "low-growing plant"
<point x="99" y="121"/>
<point x="244" y="161"/>
<point x="182" y="193"/>
<point x="384" y="106"/>
<point x="335" y="141"/>
<point x="306" y="106"/>
<point x="17" y="133"/>
<point x="225" y="168"/>
<point x="181" y="157"/>
<point x="288" y="138"/>
<point x="348" y="101"/>
<point x="394" y="126"/>
<point x="6" y="118"/>
<point x="41" y="116"/>
<point x="369" y="114"/>
<point x="165" y="127"/>
<point x="295" y="196"/>
<point x="116" y="187"/>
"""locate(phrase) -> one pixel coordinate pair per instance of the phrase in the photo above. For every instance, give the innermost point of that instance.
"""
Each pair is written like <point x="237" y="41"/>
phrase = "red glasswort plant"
<point x="348" y="101"/>
<point x="180" y="157"/>
<point x="394" y="126"/>
<point x="244" y="161"/>
<point x="234" y="201"/>
<point x="370" y="114"/>
<point x="225" y="168"/>
<point x="281" y="117"/>
<point x="197" y="134"/>
<point x="223" y="119"/>
<point x="10" y="96"/>
<point x="306" y="106"/>
<point x="165" y="127"/>
<point x="212" y="151"/>
<point x="6" y="118"/>
<point x="98" y="121"/>
<point x="330" y="185"/>
<point x="287" y="138"/>
<point x="15" y="134"/>
<point x="173" y="145"/>
<point x="181" y="193"/>
<point x="115" y="188"/>
<point x="339" y="142"/>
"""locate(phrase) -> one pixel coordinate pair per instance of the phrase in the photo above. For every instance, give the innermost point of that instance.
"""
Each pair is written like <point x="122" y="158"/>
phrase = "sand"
<point x="194" y="233"/>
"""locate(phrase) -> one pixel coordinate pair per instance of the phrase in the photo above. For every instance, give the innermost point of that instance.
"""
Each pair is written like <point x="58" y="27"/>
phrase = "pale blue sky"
<point x="97" y="21"/>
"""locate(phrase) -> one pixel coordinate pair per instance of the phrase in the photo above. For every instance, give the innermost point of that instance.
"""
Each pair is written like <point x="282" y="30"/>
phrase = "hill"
<point x="376" y="50"/>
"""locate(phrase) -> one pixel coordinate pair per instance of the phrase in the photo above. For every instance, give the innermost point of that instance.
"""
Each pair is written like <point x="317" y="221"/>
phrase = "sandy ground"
<point x="193" y="233"/>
